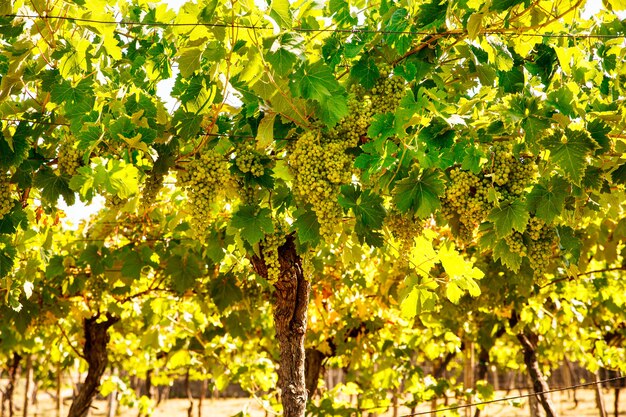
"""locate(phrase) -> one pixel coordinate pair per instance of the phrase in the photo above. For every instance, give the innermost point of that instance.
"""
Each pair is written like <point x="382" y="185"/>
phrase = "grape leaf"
<point x="462" y="274"/>
<point x="332" y="109"/>
<point x="14" y="149"/>
<point x="225" y="292"/>
<point x="381" y="127"/>
<point x="7" y="256"/>
<point x="315" y="82"/>
<point x="368" y="210"/>
<point x="569" y="150"/>
<point x="423" y="256"/>
<point x="619" y="175"/>
<point x="253" y="223"/>
<point x="419" y="192"/>
<point x="419" y="300"/>
<point x="599" y="132"/>
<point x="52" y="186"/>
<point x="432" y="14"/>
<point x="187" y="124"/>
<point x="365" y="72"/>
<point x="97" y="258"/>
<point x="16" y="217"/>
<point x="511" y="260"/>
<point x="133" y="263"/>
<point x="509" y="216"/>
<point x="183" y="270"/>
<point x="284" y="52"/>
<point x="547" y="201"/>
<point x="366" y="205"/>
<point x="189" y="61"/>
<point x="501" y="5"/>
<point x="570" y="244"/>
<point x="307" y="228"/>
<point x="280" y="11"/>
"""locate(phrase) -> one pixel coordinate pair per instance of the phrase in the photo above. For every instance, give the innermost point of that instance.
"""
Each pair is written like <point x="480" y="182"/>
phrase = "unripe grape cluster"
<point x="204" y="178"/>
<point x="538" y="243"/>
<point x="542" y="243"/>
<point x="387" y="92"/>
<point x="404" y="229"/>
<point x="249" y="160"/>
<point x="68" y="159"/>
<point x="6" y="201"/>
<point x="114" y="202"/>
<point x="512" y="173"/>
<point x="151" y="187"/>
<point x="270" y="246"/>
<point x="363" y="104"/>
<point x="320" y="167"/>
<point x="467" y="199"/>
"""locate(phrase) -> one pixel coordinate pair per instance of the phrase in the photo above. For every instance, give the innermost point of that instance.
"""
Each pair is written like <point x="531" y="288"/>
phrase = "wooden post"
<point x="59" y="404"/>
<point x="27" y="385"/>
<point x="599" y="396"/>
<point x="468" y="373"/>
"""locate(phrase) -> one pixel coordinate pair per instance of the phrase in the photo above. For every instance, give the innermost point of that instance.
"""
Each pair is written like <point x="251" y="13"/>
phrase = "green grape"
<point x="69" y="159"/>
<point x="270" y="246"/>
<point x="6" y="201"/>
<point x="541" y="245"/>
<point x="535" y="228"/>
<point x="515" y="242"/>
<point x="248" y="160"/>
<point x="512" y="173"/>
<point x="321" y="165"/>
<point x="404" y="230"/>
<point x="466" y="200"/>
<point x="151" y="187"/>
<point x="384" y="97"/>
<point x="204" y="179"/>
<point x="114" y="202"/>
<point x="387" y="92"/>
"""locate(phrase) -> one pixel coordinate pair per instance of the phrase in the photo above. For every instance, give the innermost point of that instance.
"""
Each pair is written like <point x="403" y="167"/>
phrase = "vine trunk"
<point x="290" y="319"/>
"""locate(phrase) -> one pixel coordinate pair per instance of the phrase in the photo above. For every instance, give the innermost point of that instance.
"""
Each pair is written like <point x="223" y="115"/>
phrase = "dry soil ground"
<point x="228" y="407"/>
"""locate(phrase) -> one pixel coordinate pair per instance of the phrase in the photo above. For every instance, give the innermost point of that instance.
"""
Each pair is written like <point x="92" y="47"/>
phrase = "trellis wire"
<point x="510" y="32"/>
<point x="517" y="397"/>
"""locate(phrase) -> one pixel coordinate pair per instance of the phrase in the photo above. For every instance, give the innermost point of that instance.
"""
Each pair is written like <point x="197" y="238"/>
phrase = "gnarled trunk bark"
<point x="290" y="318"/>
<point x="95" y="353"/>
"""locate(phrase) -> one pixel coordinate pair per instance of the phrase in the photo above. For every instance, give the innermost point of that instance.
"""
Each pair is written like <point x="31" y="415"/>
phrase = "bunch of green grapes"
<point x="510" y="172"/>
<point x="249" y="160"/>
<point x="515" y="242"/>
<point x="354" y="126"/>
<point x="387" y="92"/>
<point x="320" y="166"/>
<point x="151" y="187"/>
<point x="466" y="200"/>
<point x="114" y="202"/>
<point x="6" y="201"/>
<point x="270" y="246"/>
<point x="68" y="159"/>
<point x="541" y="245"/>
<point x="204" y="179"/>
<point x="404" y="229"/>
<point x="384" y="97"/>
